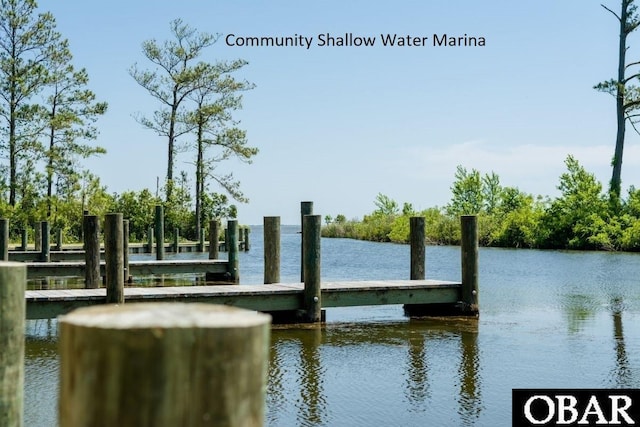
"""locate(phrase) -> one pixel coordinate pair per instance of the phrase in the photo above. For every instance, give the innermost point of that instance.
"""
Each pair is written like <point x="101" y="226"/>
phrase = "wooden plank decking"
<point x="48" y="304"/>
<point x="136" y="268"/>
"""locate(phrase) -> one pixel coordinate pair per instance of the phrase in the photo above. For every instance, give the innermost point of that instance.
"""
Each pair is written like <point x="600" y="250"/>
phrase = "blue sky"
<point x="338" y="125"/>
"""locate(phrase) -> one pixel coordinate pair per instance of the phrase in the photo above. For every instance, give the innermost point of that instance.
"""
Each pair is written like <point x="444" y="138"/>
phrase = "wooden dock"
<point x="273" y="298"/>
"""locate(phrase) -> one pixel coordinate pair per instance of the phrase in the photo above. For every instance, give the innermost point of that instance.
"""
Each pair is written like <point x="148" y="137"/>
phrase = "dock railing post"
<point x="306" y="208"/>
<point x="271" y="249"/>
<point x="417" y="238"/>
<point x="125" y="250"/>
<point x="311" y="298"/>
<point x="159" y="218"/>
<point x="232" y="248"/>
<point x="4" y="239"/>
<point x="114" y="258"/>
<point x="469" y="258"/>
<point x="45" y="253"/>
<point x="213" y="368"/>
<point x="13" y="279"/>
<point x="91" y="234"/>
<point x="214" y="239"/>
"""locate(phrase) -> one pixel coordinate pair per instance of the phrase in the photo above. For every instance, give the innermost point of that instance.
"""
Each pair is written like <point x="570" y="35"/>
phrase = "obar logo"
<point x="575" y="407"/>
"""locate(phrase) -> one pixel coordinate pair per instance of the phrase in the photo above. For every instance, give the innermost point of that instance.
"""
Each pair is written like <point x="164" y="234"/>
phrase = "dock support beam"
<point x="311" y="298"/>
<point x="174" y="365"/>
<point x="91" y="234"/>
<point x="271" y="249"/>
<point x="13" y="279"/>
<point x="114" y="258"/>
<point x="4" y="239"/>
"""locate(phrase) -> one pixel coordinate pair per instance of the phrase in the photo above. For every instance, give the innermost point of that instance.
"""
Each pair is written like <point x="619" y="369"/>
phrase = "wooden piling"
<point x="271" y="249"/>
<point x="232" y="248"/>
<point x="150" y="240"/>
<point x="225" y="247"/>
<point x="417" y="240"/>
<point x="24" y="239"/>
<point x="306" y="208"/>
<point x="311" y="298"/>
<point x="176" y="241"/>
<point x="163" y="365"/>
<point x="91" y="233"/>
<point x="37" y="236"/>
<point x="125" y="250"/>
<point x="201" y="241"/>
<point x="214" y="237"/>
<point x="59" y="239"/>
<point x="4" y="239"/>
<point x="13" y="279"/>
<point x="45" y="253"/>
<point x="469" y="261"/>
<point x="159" y="221"/>
<point x="114" y="258"/>
<point x="247" y="246"/>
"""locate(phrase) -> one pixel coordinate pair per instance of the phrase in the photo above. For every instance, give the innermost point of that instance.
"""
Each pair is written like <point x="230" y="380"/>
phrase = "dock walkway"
<point x="281" y="297"/>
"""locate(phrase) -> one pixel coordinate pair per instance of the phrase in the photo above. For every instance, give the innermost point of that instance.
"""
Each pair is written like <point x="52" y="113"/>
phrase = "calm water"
<point x="548" y="319"/>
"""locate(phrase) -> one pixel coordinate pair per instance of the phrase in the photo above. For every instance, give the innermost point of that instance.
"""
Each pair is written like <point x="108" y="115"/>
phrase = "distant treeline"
<point x="580" y="218"/>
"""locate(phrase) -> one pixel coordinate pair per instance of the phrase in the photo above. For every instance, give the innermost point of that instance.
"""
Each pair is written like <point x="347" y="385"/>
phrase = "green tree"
<point x="385" y="205"/>
<point x="70" y="111"/>
<point x="626" y="94"/>
<point x="467" y="193"/>
<point x="25" y="41"/>
<point x="173" y="78"/>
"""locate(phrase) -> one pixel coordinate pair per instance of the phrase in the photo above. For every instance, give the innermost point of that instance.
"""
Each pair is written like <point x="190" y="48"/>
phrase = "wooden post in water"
<point x="176" y="240"/>
<point x="232" y="248"/>
<point x="59" y="239"/>
<point x="13" y="279"/>
<point x="163" y="365"/>
<point x="159" y="232"/>
<point x="306" y="208"/>
<point x="214" y="236"/>
<point x="226" y="239"/>
<point x="24" y="239"/>
<point x="247" y="245"/>
<point x="201" y="241"/>
<point x="37" y="235"/>
<point x="114" y="258"/>
<point x="469" y="258"/>
<point x="46" y="243"/>
<point x="271" y="249"/>
<point x="91" y="233"/>
<point x="150" y="240"/>
<point x="417" y="239"/>
<point x="4" y="239"/>
<point x="311" y="298"/>
<point x="125" y="250"/>
<point x="240" y="238"/>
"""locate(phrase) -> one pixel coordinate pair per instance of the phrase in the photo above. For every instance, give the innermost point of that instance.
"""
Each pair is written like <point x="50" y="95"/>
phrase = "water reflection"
<point x="621" y="373"/>
<point x="470" y="390"/>
<point x="312" y="404"/>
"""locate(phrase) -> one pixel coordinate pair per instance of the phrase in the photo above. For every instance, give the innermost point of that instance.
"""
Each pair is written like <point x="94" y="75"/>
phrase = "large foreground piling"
<point x="163" y="365"/>
<point x="469" y="263"/>
<point x="114" y="257"/>
<point x="214" y="239"/>
<point x="306" y="208"/>
<point x="159" y="224"/>
<point x="91" y="233"/>
<point x="417" y="240"/>
<point x="271" y="249"/>
<point x="4" y="239"/>
<point x="232" y="248"/>
<point x="311" y="299"/>
<point x="13" y="279"/>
